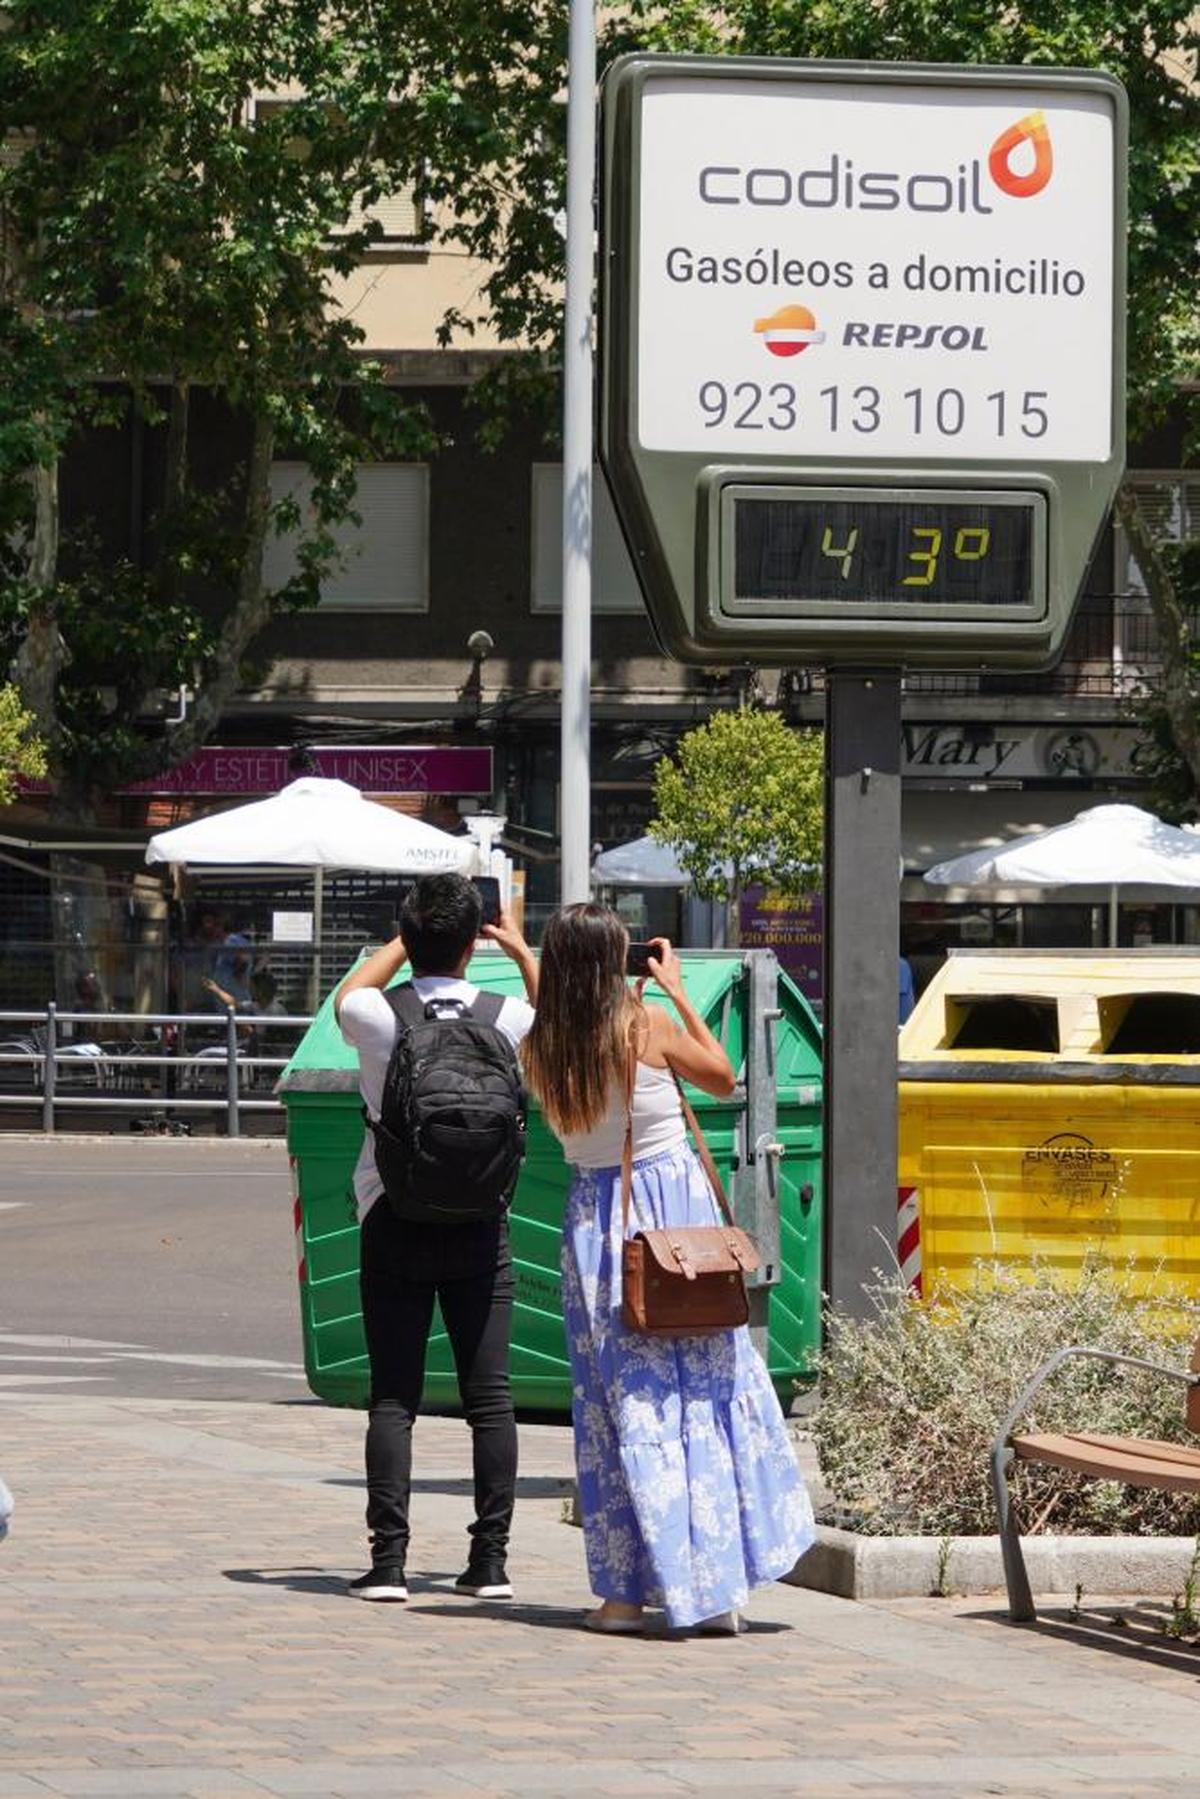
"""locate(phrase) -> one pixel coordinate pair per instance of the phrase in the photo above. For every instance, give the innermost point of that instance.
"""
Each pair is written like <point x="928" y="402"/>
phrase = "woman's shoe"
<point x="612" y="1624"/>
<point x="724" y="1624"/>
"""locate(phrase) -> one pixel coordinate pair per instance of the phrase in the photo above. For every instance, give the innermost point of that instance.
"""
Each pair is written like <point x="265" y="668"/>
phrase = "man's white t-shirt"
<point x="369" y="1025"/>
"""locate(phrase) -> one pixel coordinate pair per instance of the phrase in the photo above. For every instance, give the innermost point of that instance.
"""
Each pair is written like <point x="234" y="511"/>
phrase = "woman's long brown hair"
<point x="578" y="1045"/>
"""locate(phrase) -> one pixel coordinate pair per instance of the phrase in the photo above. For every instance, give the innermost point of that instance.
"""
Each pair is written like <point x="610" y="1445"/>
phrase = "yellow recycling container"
<point x="1050" y="1111"/>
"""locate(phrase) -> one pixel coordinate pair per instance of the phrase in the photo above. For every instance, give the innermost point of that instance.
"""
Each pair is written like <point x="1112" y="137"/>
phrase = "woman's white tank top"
<point x="657" y="1123"/>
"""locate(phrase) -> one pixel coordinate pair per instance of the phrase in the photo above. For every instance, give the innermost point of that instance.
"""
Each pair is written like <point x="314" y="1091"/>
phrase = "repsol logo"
<point x="839" y="183"/>
<point x="889" y="336"/>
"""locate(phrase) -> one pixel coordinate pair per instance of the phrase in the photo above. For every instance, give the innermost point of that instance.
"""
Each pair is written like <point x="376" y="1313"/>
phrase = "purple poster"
<point x="382" y="768"/>
<point x="794" y="928"/>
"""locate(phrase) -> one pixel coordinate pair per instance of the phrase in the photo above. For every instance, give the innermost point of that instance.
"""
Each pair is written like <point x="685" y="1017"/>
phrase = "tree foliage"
<point x="22" y="753"/>
<point x="505" y="212"/>
<point x="165" y="236"/>
<point x="162" y="236"/>
<point x="743" y="801"/>
<point x="1170" y="714"/>
<point x="1151" y="45"/>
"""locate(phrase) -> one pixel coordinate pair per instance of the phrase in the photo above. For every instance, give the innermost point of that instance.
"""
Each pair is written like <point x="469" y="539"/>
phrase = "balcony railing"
<point x="1111" y="654"/>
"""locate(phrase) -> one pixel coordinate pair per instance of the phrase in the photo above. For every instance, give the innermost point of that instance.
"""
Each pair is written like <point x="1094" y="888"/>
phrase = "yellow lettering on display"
<point x="928" y="557"/>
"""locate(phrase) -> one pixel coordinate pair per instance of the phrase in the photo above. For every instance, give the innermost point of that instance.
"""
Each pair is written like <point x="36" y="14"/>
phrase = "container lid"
<point x="324" y="1062"/>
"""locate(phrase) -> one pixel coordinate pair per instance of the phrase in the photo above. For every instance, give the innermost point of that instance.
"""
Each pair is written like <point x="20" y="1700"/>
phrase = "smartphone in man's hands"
<point x="488" y="889"/>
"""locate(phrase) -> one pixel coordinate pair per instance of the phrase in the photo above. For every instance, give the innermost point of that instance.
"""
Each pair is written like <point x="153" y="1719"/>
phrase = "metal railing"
<point x="71" y="1073"/>
<point x="1112" y="652"/>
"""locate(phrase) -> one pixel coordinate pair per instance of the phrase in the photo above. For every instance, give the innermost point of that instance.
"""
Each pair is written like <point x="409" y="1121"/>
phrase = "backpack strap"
<point x="406" y="1003"/>
<point x="409" y="1007"/>
<point x="487" y="1007"/>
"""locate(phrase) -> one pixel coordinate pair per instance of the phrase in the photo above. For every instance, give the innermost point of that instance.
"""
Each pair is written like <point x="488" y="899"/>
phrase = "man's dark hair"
<point x="439" y="920"/>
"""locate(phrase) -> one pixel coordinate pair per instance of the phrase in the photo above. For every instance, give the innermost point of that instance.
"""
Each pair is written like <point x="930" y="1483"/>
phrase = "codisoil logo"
<point x="789" y="330"/>
<point x="839" y="182"/>
<point x="1033" y="130"/>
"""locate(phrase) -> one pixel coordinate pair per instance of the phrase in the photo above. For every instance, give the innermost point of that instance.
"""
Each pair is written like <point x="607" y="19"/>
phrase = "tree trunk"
<point x="41" y="654"/>
<point x="733" y="913"/>
<point x="1180" y="694"/>
<point x="250" y="612"/>
<point x="174" y="486"/>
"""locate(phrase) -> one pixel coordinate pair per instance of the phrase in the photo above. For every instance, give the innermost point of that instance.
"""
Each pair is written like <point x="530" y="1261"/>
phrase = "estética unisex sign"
<point x="863" y="352"/>
<point x="373" y="768"/>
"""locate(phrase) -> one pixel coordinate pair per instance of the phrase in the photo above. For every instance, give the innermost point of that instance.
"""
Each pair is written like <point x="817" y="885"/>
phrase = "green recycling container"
<point x="766" y="1137"/>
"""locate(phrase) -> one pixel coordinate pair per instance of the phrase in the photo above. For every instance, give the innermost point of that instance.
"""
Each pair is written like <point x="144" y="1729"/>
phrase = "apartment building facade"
<point x="441" y="632"/>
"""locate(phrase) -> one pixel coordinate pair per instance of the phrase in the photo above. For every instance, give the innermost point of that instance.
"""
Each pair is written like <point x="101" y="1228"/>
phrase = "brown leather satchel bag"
<point x="687" y="1280"/>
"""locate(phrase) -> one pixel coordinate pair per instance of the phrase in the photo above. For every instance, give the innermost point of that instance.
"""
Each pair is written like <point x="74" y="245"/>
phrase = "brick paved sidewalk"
<point x="172" y="1621"/>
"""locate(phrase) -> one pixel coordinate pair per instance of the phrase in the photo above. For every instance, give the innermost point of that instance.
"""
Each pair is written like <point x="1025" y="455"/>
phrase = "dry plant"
<point x="911" y="1399"/>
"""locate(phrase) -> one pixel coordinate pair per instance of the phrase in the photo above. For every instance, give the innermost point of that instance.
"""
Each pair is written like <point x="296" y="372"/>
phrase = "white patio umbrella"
<point x="1106" y="846"/>
<point x="315" y="824"/>
<point x="642" y="863"/>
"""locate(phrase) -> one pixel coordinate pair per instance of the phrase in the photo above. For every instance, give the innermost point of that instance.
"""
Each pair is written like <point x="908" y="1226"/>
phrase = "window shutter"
<point x="399" y="216"/>
<point x="614" y="584"/>
<point x="385" y="560"/>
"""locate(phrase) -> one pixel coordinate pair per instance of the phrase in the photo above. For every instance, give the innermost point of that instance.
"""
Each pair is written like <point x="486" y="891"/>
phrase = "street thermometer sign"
<point x="863" y="353"/>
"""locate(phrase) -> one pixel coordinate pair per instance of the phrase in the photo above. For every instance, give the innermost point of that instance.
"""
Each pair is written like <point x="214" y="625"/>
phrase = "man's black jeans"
<point x="467" y="1268"/>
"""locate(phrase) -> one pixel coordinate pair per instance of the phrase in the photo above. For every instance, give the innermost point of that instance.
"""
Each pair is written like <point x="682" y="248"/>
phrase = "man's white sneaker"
<point x="485" y="1580"/>
<point x="386" y="1582"/>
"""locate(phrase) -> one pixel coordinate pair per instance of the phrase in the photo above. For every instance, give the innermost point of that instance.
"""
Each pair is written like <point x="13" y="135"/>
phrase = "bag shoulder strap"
<point x="487" y="1007"/>
<point x="627" y="1150"/>
<point x="410" y="1008"/>
<point x="703" y="1151"/>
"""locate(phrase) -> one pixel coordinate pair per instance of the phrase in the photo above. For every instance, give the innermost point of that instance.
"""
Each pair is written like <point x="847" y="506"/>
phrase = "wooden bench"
<point x="1135" y="1461"/>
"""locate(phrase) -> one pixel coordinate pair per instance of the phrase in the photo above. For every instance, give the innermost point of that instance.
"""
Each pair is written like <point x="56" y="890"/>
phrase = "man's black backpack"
<point x="451" y="1129"/>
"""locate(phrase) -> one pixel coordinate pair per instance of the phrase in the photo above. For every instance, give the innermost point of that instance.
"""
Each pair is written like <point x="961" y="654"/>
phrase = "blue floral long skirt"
<point x="688" y="1483"/>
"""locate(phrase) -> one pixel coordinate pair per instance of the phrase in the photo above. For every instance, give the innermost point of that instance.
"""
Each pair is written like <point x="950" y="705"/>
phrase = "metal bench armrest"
<point x="1054" y="1362"/>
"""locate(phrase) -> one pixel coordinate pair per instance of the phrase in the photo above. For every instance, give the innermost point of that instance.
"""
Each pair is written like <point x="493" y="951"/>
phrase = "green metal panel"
<point x="325" y="1128"/>
<point x="795" y="1303"/>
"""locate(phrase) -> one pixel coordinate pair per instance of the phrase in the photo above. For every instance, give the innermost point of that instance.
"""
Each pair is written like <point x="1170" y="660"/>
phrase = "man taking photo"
<point x="445" y="1109"/>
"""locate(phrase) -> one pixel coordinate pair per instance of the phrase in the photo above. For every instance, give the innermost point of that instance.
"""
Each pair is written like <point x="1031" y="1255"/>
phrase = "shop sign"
<point x="373" y="768"/>
<point x="999" y="752"/>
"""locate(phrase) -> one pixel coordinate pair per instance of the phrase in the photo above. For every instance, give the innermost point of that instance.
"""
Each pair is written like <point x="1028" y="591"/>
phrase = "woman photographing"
<point x="689" y="1487"/>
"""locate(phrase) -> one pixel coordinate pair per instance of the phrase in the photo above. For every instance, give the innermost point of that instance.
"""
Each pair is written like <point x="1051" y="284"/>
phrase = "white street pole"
<point x="575" y="791"/>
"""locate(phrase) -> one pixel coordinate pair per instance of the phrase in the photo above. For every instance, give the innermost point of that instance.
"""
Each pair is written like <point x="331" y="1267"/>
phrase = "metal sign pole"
<point x="575" y="802"/>
<point x="862" y="946"/>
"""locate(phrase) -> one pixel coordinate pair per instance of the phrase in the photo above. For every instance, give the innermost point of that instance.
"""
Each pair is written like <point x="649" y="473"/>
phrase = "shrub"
<point x="911" y="1399"/>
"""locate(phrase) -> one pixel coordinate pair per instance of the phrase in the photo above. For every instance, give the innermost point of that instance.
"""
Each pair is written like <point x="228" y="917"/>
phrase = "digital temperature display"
<point x="871" y="551"/>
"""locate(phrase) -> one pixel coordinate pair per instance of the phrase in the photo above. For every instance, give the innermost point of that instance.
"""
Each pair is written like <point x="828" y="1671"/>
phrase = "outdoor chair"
<point x="1135" y="1461"/>
<point x="206" y="1070"/>
<point x="20" y="1067"/>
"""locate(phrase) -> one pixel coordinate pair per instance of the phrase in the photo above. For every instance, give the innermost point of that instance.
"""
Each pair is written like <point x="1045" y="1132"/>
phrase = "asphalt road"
<point x="148" y="1268"/>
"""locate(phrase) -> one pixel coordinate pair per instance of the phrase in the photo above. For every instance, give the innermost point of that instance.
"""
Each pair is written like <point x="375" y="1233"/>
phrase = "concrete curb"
<point x="62" y="1138"/>
<point x="856" y="1567"/>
